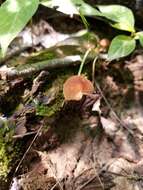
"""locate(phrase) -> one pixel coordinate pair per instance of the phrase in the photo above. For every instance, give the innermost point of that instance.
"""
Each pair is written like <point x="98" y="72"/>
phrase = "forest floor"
<point x="49" y="143"/>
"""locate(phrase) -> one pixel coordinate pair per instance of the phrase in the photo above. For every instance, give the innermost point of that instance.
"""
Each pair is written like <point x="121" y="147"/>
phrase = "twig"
<point x="23" y="135"/>
<point x="28" y="149"/>
<point x="98" y="177"/>
<point x="29" y="69"/>
<point x="130" y="177"/>
<point x="94" y="167"/>
<point x="91" y="179"/>
<point x="58" y="181"/>
<point x="111" y="109"/>
<point x="17" y="168"/>
<point x="86" y="183"/>
<point x="52" y="188"/>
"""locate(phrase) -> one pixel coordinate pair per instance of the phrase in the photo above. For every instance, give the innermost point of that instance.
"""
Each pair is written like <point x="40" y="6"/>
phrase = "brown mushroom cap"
<point x="104" y="43"/>
<point x="76" y="86"/>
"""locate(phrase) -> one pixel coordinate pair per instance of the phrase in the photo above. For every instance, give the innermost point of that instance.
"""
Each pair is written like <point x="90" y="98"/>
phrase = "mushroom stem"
<point x="83" y="61"/>
<point x="93" y="68"/>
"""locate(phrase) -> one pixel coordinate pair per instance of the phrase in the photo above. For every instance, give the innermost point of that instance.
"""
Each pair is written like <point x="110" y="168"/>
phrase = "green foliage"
<point x="55" y="93"/>
<point x="14" y="15"/>
<point x="121" y="46"/>
<point x="4" y="161"/>
<point x="6" y="148"/>
<point x="121" y="16"/>
<point x="139" y="36"/>
<point x="43" y="110"/>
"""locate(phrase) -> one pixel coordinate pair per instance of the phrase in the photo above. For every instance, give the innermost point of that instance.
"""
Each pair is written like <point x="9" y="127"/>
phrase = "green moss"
<point x="43" y="110"/>
<point x="49" y="110"/>
<point x="56" y="93"/>
<point x="4" y="161"/>
<point x="8" y="151"/>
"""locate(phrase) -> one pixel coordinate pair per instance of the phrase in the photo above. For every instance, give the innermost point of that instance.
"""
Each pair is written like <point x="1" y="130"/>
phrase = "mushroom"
<point x="76" y="86"/>
<point x="104" y="45"/>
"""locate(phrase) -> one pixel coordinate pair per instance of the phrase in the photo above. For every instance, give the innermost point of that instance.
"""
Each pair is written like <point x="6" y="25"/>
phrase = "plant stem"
<point x="84" y="20"/>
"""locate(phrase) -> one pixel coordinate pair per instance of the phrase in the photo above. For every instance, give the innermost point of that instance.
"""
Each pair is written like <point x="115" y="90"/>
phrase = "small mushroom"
<point x="104" y="43"/>
<point x="76" y="86"/>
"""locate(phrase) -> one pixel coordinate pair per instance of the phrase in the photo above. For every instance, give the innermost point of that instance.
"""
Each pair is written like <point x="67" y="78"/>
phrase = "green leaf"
<point x="71" y="7"/>
<point x="122" y="16"/>
<point x="121" y="46"/>
<point x="85" y="8"/>
<point x="140" y="37"/>
<point x="14" y="15"/>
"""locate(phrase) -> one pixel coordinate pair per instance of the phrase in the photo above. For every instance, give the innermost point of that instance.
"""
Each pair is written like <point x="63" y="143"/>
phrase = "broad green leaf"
<point x="140" y="37"/>
<point x="122" y="17"/>
<point x="121" y="46"/>
<point x="71" y="7"/>
<point x="14" y="15"/>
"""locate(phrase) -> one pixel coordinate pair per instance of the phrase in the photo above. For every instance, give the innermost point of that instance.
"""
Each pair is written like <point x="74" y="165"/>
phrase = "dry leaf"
<point x="109" y="126"/>
<point x="96" y="106"/>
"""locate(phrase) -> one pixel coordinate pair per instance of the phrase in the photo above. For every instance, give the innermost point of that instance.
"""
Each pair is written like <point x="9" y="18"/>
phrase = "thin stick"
<point x="52" y="188"/>
<point x="28" y="149"/>
<point x="98" y="177"/>
<point x="23" y="135"/>
<point x="111" y="109"/>
<point x="86" y="183"/>
<point x="26" y="152"/>
<point x="58" y="181"/>
<point x="130" y="177"/>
